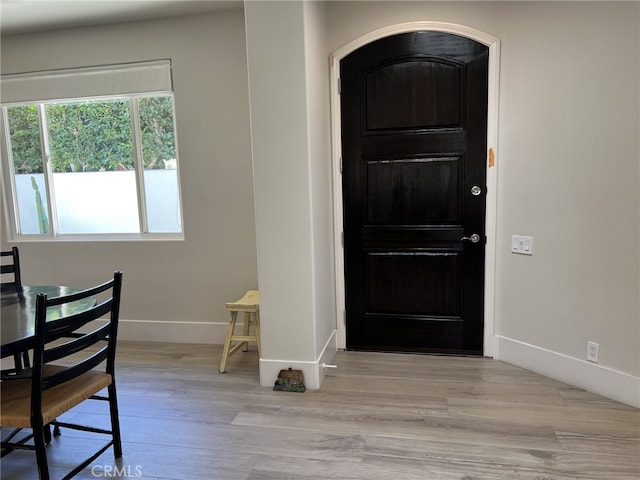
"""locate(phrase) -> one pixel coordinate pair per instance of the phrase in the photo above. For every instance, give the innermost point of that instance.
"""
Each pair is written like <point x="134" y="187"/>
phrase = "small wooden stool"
<point x="250" y="305"/>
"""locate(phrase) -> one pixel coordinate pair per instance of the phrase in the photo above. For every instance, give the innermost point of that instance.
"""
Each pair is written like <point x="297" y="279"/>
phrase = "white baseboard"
<point x="595" y="378"/>
<point x="177" y="332"/>
<point x="313" y="371"/>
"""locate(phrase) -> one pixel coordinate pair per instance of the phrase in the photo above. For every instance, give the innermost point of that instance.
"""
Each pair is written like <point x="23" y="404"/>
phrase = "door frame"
<point x="491" y="206"/>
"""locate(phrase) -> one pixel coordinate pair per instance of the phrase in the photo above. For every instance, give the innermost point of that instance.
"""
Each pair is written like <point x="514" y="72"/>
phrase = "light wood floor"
<point x="377" y="417"/>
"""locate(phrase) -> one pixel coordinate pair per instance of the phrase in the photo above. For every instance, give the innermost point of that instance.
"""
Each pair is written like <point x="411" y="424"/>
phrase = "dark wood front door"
<point x="414" y="141"/>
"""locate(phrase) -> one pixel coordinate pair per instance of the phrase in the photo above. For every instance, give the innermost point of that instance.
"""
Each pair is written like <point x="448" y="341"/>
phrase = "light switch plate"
<point x="522" y="245"/>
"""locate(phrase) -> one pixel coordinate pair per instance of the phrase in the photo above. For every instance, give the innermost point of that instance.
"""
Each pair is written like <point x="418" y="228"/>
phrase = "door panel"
<point x="414" y="110"/>
<point x="413" y="283"/>
<point x="413" y="191"/>
<point x="394" y="100"/>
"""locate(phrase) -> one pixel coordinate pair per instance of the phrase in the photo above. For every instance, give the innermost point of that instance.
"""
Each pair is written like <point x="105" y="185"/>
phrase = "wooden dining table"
<point x="18" y="313"/>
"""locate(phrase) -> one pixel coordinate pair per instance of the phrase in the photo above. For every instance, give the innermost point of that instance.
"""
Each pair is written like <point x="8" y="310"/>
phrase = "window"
<point x="102" y="166"/>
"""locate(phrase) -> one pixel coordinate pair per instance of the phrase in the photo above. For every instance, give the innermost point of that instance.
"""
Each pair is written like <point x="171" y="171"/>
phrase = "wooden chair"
<point x="12" y="268"/>
<point x="84" y="365"/>
<point x="249" y="304"/>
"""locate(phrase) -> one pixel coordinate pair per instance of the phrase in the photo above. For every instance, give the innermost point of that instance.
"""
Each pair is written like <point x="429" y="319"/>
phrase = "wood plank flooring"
<point x="376" y="417"/>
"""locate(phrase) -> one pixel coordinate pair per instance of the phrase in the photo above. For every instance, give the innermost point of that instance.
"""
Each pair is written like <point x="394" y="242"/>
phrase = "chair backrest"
<point x="72" y="342"/>
<point x="10" y="267"/>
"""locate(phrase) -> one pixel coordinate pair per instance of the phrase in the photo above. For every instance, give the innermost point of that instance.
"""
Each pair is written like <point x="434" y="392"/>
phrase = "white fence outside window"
<point x="102" y="202"/>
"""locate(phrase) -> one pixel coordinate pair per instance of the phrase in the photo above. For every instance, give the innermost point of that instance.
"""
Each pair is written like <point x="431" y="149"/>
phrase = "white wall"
<point x="317" y="64"/>
<point x="568" y="159"/>
<point x="168" y="285"/>
<point x="290" y="140"/>
<point x="281" y="168"/>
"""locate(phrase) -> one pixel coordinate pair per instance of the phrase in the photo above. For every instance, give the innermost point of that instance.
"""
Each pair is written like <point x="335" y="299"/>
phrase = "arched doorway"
<point x="386" y="261"/>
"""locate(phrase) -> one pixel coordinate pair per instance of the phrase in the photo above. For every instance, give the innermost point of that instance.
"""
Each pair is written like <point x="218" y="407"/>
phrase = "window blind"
<point x="122" y="79"/>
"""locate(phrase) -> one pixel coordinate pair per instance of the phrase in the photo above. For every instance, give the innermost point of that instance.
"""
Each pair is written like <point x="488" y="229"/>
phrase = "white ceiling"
<point x="23" y="16"/>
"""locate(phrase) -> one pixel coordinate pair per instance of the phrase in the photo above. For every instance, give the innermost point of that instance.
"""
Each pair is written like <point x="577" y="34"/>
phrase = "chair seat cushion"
<point x="15" y="396"/>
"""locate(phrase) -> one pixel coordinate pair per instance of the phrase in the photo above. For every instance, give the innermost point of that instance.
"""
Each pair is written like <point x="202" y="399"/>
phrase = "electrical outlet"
<point x="593" y="352"/>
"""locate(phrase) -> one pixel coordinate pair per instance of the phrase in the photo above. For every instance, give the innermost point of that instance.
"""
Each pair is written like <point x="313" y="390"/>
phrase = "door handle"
<point x="474" y="238"/>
